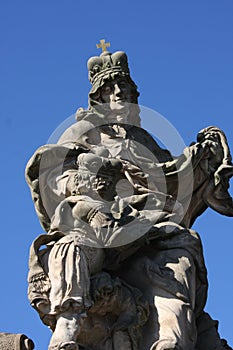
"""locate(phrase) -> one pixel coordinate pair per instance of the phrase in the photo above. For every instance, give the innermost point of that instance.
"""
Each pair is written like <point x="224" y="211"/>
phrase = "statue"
<point x="120" y="266"/>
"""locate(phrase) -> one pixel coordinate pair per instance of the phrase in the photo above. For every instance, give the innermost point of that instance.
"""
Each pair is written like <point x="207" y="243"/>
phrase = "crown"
<point x="101" y="67"/>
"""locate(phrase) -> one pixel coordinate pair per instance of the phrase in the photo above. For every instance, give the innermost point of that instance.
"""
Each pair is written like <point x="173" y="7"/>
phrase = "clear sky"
<point x="181" y="57"/>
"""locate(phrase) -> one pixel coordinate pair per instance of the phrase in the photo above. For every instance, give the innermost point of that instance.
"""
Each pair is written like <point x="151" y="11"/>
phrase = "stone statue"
<point x="120" y="266"/>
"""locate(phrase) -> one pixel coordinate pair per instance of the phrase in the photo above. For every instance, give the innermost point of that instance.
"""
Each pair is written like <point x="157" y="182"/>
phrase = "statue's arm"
<point x="219" y="168"/>
<point x="199" y="178"/>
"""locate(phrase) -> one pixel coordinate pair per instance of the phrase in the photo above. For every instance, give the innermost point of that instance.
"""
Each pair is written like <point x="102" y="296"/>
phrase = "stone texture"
<point x="9" y="341"/>
<point x="120" y="266"/>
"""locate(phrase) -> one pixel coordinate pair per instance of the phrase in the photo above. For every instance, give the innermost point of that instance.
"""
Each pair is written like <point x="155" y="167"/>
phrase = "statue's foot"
<point x="66" y="332"/>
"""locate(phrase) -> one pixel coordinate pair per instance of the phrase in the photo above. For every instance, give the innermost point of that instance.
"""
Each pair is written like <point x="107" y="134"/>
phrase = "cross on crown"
<point x="103" y="45"/>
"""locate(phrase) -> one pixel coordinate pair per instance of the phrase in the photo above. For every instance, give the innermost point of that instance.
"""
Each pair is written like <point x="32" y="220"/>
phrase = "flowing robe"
<point x="171" y="267"/>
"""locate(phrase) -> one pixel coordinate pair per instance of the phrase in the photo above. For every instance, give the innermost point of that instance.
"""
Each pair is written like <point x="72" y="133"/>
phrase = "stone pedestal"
<point x="9" y="341"/>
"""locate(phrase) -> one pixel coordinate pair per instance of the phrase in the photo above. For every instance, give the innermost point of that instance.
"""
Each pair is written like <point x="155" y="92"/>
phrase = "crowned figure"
<point x="119" y="266"/>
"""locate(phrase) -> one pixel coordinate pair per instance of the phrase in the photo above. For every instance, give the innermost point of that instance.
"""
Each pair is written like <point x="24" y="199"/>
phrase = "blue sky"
<point x="181" y="57"/>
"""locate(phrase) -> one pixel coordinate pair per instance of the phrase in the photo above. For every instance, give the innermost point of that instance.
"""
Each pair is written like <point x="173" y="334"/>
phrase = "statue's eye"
<point x="106" y="89"/>
<point x="122" y="84"/>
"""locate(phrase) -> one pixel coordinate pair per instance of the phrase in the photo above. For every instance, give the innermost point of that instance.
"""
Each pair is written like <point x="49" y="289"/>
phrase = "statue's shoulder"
<point x="148" y="140"/>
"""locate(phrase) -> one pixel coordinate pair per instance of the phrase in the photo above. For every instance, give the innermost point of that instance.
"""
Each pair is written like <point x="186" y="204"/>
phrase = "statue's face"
<point x="104" y="187"/>
<point x="118" y="94"/>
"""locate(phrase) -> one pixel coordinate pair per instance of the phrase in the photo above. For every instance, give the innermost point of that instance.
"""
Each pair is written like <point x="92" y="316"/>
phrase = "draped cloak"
<point x="186" y="185"/>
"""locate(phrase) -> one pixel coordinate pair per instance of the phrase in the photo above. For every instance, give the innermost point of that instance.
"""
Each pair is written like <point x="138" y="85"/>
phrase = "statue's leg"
<point x="65" y="334"/>
<point x="174" y="275"/>
<point x="176" y="325"/>
<point x="171" y="274"/>
<point x="69" y="274"/>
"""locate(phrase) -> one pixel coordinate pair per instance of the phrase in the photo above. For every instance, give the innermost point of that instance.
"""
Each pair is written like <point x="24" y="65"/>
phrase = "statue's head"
<point x="113" y="91"/>
<point x="97" y="176"/>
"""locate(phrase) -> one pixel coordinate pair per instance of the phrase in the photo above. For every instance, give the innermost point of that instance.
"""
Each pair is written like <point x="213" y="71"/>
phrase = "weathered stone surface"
<point x="9" y="341"/>
<point x="120" y="266"/>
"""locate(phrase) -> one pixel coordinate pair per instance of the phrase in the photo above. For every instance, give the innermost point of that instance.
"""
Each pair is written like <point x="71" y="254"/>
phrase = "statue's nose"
<point x="117" y="89"/>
